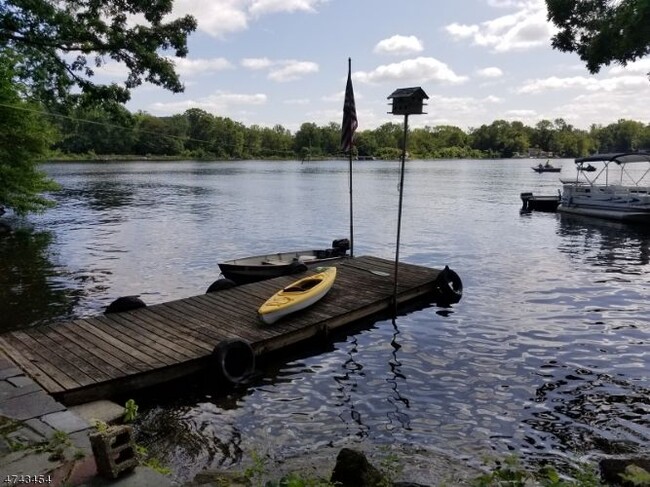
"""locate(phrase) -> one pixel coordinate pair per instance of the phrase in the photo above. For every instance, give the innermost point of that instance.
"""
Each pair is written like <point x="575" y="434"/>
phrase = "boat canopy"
<point x="617" y="157"/>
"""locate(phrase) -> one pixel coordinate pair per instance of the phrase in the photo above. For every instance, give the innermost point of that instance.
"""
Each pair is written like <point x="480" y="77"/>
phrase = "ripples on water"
<point x="544" y="355"/>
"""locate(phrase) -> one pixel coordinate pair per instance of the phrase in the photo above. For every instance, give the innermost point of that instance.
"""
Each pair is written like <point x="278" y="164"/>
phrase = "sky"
<point x="268" y="62"/>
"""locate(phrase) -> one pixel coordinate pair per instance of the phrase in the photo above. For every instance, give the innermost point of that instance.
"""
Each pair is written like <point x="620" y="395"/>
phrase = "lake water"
<point x="545" y="355"/>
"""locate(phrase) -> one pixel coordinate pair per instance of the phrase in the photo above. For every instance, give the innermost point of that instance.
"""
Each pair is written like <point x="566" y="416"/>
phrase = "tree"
<point x="25" y="138"/>
<point x="307" y="140"/>
<point x="57" y="45"/>
<point x="601" y="31"/>
<point x="93" y="129"/>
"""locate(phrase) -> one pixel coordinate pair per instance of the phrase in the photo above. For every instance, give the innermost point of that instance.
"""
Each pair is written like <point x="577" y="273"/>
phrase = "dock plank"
<point x="42" y="354"/>
<point x="194" y="332"/>
<point x="91" y="358"/>
<point x="29" y="363"/>
<point x="99" y="369"/>
<point x="83" y="372"/>
<point x="102" y="354"/>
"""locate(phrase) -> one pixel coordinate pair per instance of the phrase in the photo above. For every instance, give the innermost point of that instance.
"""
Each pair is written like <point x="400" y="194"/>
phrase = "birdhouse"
<point x="408" y="101"/>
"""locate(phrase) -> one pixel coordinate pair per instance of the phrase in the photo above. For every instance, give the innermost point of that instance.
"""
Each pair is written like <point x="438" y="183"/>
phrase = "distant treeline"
<point x="197" y="134"/>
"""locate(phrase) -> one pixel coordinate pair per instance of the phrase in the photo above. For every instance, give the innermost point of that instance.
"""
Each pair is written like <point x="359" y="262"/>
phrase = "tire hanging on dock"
<point x="125" y="303"/>
<point x="220" y="285"/>
<point x="448" y="287"/>
<point x="233" y="361"/>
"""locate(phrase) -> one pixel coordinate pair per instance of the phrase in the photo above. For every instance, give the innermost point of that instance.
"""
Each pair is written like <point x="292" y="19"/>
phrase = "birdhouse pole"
<point x="406" y="101"/>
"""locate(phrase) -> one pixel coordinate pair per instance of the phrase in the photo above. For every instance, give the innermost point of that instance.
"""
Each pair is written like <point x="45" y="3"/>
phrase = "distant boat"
<point x="548" y="167"/>
<point x="604" y="198"/>
<point x="298" y="295"/>
<point x="587" y="168"/>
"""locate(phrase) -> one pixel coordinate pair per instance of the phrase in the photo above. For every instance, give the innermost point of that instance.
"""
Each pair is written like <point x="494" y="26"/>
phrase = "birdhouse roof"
<point x="414" y="92"/>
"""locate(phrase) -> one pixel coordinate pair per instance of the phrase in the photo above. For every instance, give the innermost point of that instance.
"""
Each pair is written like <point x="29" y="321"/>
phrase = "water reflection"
<point x="33" y="290"/>
<point x="398" y="401"/>
<point x="583" y="410"/>
<point x="615" y="246"/>
<point x="101" y="195"/>
<point x="346" y="386"/>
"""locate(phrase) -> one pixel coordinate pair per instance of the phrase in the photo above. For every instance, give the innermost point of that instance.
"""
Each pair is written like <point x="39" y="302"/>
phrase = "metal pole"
<point x="399" y="216"/>
<point x="351" y="213"/>
<point x="350" y="171"/>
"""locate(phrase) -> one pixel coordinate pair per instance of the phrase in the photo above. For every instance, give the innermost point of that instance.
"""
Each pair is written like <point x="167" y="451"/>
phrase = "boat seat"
<point x="304" y="258"/>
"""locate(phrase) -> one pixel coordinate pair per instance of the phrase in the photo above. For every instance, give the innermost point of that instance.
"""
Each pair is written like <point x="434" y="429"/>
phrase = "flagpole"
<point x="348" y="126"/>
<point x="350" y="178"/>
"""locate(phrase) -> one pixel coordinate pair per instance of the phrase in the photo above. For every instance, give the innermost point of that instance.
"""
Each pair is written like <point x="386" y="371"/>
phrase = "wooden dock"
<point x="94" y="358"/>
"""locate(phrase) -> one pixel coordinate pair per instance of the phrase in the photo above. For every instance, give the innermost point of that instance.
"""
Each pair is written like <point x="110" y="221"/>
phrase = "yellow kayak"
<point x="298" y="295"/>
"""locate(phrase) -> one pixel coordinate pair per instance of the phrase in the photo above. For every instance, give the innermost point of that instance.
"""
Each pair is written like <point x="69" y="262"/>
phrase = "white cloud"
<point x="492" y="99"/>
<point x="221" y="17"/>
<point x="112" y="69"/>
<point x="491" y="72"/>
<point x="399" y="45"/>
<point x="619" y="83"/>
<point x="461" y="31"/>
<point x="524" y="29"/>
<point x="419" y="70"/>
<point x="189" y="67"/>
<point x="506" y="3"/>
<point x="292" y="70"/>
<point x="281" y="70"/>
<point x="521" y="113"/>
<point x="215" y="17"/>
<point x="297" y="101"/>
<point x="256" y="63"/>
<point x="641" y="66"/>
<point x="596" y="107"/>
<point x="219" y="103"/>
<point x="261" y="7"/>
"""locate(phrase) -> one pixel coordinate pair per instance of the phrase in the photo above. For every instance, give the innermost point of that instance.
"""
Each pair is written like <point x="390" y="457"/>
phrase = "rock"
<point x="352" y="469"/>
<point x="5" y="229"/>
<point x="612" y="468"/>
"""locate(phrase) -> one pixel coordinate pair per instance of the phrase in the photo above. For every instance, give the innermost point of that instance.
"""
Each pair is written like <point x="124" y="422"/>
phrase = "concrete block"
<point x="114" y="451"/>
<point x="65" y="421"/>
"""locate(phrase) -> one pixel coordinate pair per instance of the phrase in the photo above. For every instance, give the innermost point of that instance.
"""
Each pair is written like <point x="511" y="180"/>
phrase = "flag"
<point x="350" y="122"/>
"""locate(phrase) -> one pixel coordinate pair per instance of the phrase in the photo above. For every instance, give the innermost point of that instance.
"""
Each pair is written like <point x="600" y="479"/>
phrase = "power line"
<point x="121" y="127"/>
